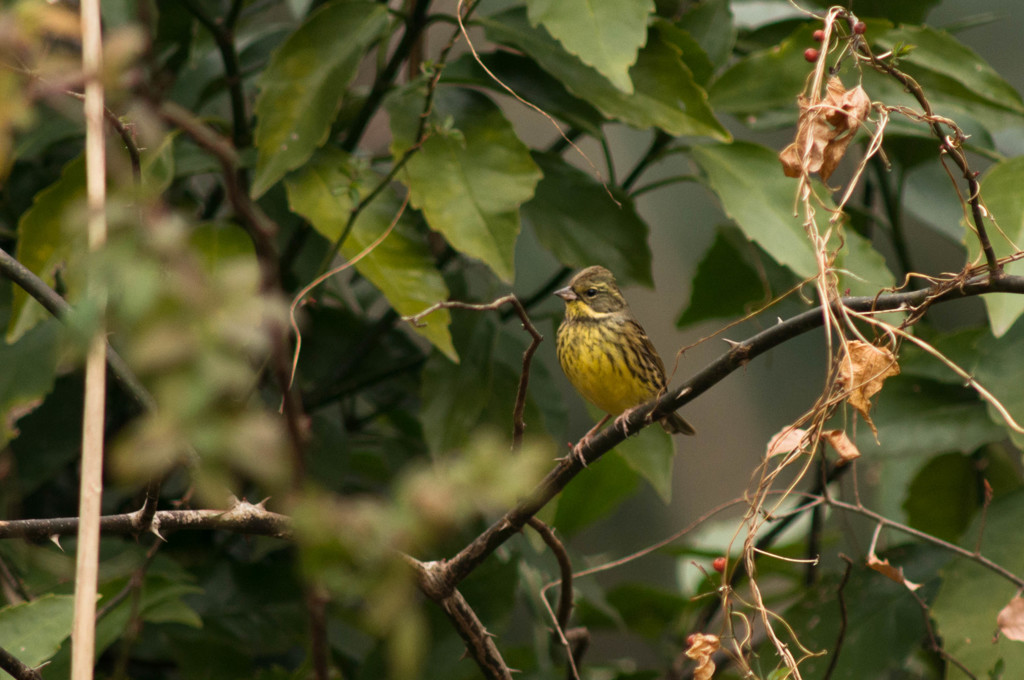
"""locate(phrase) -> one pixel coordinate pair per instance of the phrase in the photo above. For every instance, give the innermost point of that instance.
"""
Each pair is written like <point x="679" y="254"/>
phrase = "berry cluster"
<point x="811" y="54"/>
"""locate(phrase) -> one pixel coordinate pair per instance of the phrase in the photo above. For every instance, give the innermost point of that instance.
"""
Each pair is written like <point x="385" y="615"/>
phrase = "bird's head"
<point x="592" y="293"/>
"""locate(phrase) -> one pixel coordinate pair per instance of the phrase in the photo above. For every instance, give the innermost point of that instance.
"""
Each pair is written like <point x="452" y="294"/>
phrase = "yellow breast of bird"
<point x="596" y="363"/>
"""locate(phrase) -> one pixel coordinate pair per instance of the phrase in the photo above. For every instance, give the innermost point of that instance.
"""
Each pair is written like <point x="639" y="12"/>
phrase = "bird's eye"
<point x="591" y="292"/>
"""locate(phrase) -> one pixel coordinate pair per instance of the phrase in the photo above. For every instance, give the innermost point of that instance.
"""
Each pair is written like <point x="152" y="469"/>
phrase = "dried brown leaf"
<point x="701" y="648"/>
<point x="1011" y="620"/>
<point x="785" y="441"/>
<point x="890" y="572"/>
<point x="842" y="444"/>
<point x="862" y="373"/>
<point x="825" y="130"/>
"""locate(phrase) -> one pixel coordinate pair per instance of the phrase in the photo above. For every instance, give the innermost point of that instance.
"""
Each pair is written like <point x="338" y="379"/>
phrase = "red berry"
<point x="818" y="35"/>
<point x="719" y="565"/>
<point x="859" y="28"/>
<point x="811" y="54"/>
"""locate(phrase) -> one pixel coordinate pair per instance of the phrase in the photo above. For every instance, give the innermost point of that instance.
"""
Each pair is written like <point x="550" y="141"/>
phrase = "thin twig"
<point x="951" y="145"/>
<point x="933" y="641"/>
<point x="518" y="423"/>
<point x="971" y="555"/>
<point x="841" y="596"/>
<point x="223" y="33"/>
<point x="574" y="641"/>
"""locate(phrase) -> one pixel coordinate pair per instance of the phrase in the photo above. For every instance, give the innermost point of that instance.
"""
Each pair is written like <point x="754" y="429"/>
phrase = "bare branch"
<point x="243" y="518"/>
<point x="16" y="668"/>
<point x="479" y="642"/>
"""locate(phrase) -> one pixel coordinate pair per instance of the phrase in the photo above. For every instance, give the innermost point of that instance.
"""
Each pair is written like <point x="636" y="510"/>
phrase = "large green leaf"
<point x="302" y="87"/>
<point x="575" y="218"/>
<point x="469" y="176"/>
<point x="650" y="454"/>
<point x="665" y="95"/>
<point x="454" y="396"/>
<point x="400" y="266"/>
<point x="30" y="367"/>
<point x="754" y="192"/>
<point x="940" y="52"/>
<point x="33" y="631"/>
<point x="529" y="81"/>
<point x="906" y="11"/>
<point x="748" y="180"/>
<point x="947" y="491"/>
<point x="971" y="596"/>
<point x="709" y="299"/>
<point x="861" y="268"/>
<point x="604" y="34"/>
<point x="595" y="493"/>
<point x="958" y="83"/>
<point x="917" y="417"/>
<point x="1000" y="370"/>
<point x="45" y="241"/>
<point x="881" y="620"/>
<point x="744" y="90"/>
<point x="1001" y="188"/>
<point x="711" y="25"/>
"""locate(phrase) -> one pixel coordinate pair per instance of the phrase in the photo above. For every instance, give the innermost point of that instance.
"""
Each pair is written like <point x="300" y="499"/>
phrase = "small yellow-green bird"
<point x="605" y="352"/>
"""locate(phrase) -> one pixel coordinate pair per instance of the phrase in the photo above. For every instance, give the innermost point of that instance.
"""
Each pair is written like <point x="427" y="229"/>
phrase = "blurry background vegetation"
<point x="328" y="116"/>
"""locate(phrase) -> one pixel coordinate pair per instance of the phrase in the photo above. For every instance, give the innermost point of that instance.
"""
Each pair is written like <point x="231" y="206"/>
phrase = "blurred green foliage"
<point x="367" y="142"/>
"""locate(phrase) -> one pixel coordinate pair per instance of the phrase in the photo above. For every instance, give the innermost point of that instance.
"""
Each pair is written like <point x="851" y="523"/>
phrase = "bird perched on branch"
<point x="606" y="354"/>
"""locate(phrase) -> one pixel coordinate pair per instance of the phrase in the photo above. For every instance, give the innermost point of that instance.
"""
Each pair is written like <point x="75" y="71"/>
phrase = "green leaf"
<point x="1001" y="372"/>
<point x="943" y="496"/>
<point x="302" y="87"/>
<point x="744" y="90"/>
<point x="30" y="367"/>
<point x="691" y="52"/>
<point x="595" y="493"/>
<point x="710" y="299"/>
<point x="33" y="631"/>
<point x="904" y="11"/>
<point x="711" y="25"/>
<point x="604" y="34"/>
<point x="529" y="81"/>
<point x="575" y="218"/>
<point x="1001" y="188"/>
<point x="46" y="240"/>
<point x="158" y="165"/>
<point x="971" y="596"/>
<point x="665" y="93"/>
<point x="454" y="396"/>
<point x="749" y="182"/>
<point x="916" y="417"/>
<point x="651" y="612"/>
<point x="470" y="175"/>
<point x="883" y="621"/>
<point x="861" y="268"/>
<point x="941" y="53"/>
<point x="650" y="453"/>
<point x="216" y="242"/>
<point x="400" y="266"/>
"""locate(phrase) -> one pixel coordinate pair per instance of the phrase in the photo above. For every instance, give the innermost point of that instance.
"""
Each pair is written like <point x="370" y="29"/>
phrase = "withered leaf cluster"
<point x="825" y="130"/>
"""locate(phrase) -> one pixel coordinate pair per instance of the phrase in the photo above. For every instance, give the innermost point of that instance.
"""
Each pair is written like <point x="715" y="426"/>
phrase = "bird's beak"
<point x="567" y="294"/>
